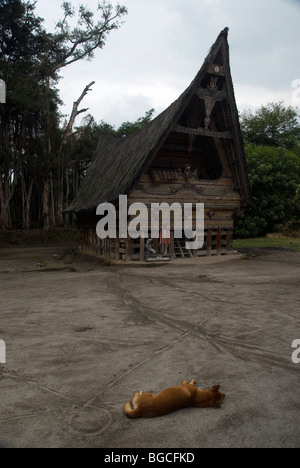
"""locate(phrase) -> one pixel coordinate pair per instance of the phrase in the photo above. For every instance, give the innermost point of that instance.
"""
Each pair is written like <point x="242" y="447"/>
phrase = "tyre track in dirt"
<point x="240" y="349"/>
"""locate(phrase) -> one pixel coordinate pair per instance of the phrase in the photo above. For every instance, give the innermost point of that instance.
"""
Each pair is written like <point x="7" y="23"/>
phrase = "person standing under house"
<point x="149" y="250"/>
<point x="165" y="240"/>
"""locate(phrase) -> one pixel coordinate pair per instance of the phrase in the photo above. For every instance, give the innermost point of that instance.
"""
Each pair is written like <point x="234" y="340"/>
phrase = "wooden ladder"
<point x="180" y="250"/>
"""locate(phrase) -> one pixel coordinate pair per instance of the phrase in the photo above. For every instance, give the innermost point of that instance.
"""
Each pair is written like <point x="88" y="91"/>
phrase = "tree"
<point x="272" y="125"/>
<point x="274" y="175"/>
<point x="63" y="48"/>
<point x="127" y="128"/>
<point x="272" y="137"/>
<point x="21" y="125"/>
<point x="31" y="158"/>
<point x="68" y="45"/>
<point x="81" y="146"/>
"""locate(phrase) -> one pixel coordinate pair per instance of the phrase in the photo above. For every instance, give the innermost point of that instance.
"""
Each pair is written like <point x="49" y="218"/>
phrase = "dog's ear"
<point x="215" y="388"/>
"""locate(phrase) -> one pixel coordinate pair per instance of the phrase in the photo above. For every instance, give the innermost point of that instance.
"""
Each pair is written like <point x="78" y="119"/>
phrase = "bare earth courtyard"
<point x="82" y="337"/>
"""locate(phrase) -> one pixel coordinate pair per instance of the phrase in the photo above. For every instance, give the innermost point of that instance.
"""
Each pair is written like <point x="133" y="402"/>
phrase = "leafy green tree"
<point x="21" y="122"/>
<point x="272" y="125"/>
<point x="274" y="175"/>
<point x="127" y="128"/>
<point x="31" y="157"/>
<point x="82" y="145"/>
<point x="63" y="48"/>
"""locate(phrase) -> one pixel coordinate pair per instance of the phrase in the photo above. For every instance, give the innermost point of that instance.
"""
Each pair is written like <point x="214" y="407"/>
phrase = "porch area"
<point x="216" y="242"/>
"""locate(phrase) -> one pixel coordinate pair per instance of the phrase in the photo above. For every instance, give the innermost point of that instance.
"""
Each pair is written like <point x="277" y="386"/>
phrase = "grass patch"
<point x="290" y="243"/>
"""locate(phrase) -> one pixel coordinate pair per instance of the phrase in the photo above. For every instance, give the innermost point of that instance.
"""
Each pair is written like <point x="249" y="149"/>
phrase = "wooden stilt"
<point x="219" y="242"/>
<point x="208" y="242"/>
<point x="142" y="249"/>
<point x="128" y="248"/>
<point x="229" y="240"/>
<point x="117" y="247"/>
<point x="172" y="246"/>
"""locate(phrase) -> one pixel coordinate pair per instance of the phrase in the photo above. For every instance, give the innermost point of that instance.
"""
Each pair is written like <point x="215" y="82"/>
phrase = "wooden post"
<point x="229" y="240"/>
<point x="156" y="244"/>
<point x="128" y="248"/>
<point x="219" y="242"/>
<point x="117" y="247"/>
<point x="142" y="249"/>
<point x="172" y="245"/>
<point x="208" y="242"/>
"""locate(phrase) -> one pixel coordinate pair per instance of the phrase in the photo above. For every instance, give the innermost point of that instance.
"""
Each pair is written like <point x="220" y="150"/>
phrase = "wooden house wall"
<point x="162" y="183"/>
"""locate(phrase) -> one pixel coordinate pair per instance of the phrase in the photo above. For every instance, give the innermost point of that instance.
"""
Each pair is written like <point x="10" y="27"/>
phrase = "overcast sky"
<point x="159" y="49"/>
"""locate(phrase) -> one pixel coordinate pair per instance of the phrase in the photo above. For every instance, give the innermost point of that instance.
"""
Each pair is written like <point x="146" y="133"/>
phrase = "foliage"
<point x="274" y="175"/>
<point x="272" y="125"/>
<point x="34" y="181"/>
<point x="128" y="128"/>
<point x="67" y="45"/>
<point x="272" y="136"/>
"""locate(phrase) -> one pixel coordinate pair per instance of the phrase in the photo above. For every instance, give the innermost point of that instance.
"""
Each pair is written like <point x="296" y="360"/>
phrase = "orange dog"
<point x="148" y="405"/>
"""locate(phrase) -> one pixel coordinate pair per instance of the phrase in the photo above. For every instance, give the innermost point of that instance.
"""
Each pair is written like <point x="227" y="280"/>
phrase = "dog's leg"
<point x="131" y="408"/>
<point x="136" y="398"/>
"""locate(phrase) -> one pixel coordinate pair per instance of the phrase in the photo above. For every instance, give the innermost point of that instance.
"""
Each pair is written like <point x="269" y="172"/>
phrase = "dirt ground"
<point x="82" y="337"/>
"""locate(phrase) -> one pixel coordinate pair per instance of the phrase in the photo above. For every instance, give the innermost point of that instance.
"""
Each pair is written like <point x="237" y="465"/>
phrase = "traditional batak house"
<point x="191" y="153"/>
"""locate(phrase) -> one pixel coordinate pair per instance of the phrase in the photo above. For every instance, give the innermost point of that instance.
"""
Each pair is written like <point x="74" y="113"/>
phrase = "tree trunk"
<point x="5" y="221"/>
<point x="53" y="208"/>
<point x="26" y="202"/>
<point x="6" y="193"/>
<point x="46" y="206"/>
<point x="60" y="196"/>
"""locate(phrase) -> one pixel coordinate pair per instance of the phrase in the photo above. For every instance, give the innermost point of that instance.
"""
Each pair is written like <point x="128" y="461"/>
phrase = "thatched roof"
<point x="119" y="162"/>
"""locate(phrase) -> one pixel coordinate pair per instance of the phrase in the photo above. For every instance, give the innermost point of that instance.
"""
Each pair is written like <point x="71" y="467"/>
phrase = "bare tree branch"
<point x="74" y="114"/>
<point x="81" y="42"/>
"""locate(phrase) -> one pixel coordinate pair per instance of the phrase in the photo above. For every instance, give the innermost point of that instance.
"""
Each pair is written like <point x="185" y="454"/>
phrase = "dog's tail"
<point x="130" y="412"/>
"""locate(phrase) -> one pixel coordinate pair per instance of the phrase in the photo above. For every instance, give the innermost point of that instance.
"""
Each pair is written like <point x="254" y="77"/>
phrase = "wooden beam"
<point x="172" y="246"/>
<point x="219" y="242"/>
<point x="216" y="95"/>
<point x="202" y="132"/>
<point x="229" y="240"/>
<point x="208" y="242"/>
<point x="179" y="148"/>
<point x="117" y="247"/>
<point x="142" y="249"/>
<point x="128" y="248"/>
<point x="221" y="152"/>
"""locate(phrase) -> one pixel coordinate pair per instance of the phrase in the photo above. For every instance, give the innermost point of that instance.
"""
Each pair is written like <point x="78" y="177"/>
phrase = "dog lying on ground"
<point x="148" y="405"/>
